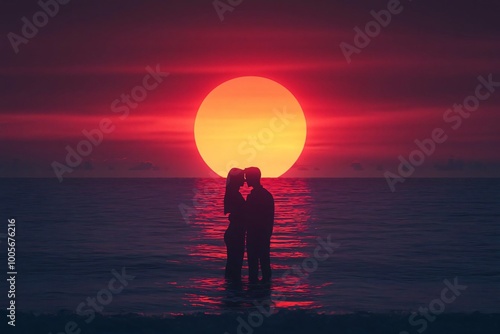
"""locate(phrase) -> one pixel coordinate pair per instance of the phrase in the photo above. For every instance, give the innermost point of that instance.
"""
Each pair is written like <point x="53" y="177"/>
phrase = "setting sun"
<point x="250" y="121"/>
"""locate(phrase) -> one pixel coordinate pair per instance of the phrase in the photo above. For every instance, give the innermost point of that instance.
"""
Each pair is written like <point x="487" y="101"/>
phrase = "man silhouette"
<point x="260" y="221"/>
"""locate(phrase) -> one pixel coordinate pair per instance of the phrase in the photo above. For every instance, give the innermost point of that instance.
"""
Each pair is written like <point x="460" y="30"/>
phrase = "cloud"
<point x="87" y="165"/>
<point x="477" y="165"/>
<point x="145" y="165"/>
<point x="452" y="165"/>
<point x="300" y="167"/>
<point x="357" y="166"/>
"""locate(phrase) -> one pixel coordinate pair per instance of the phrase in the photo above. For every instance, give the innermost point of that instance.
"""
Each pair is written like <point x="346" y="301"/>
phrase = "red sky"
<point x="361" y="115"/>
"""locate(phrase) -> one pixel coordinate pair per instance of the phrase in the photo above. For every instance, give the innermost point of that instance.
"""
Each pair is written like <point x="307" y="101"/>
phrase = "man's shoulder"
<point x="267" y="194"/>
<point x="260" y="192"/>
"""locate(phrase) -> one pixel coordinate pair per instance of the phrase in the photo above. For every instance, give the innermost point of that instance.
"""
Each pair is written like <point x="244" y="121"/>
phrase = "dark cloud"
<point x="300" y="167"/>
<point x="145" y="165"/>
<point x="451" y="165"/>
<point x="87" y="165"/>
<point x="357" y="166"/>
<point x="476" y="167"/>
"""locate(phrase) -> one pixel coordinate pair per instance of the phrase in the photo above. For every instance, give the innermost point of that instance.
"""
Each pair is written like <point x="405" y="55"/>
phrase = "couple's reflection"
<point x="240" y="295"/>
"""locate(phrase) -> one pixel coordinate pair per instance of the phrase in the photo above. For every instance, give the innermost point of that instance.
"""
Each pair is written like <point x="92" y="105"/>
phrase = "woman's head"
<point x="235" y="178"/>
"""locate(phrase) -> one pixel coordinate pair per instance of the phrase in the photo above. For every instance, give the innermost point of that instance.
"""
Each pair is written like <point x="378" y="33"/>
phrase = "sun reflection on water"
<point x="292" y="242"/>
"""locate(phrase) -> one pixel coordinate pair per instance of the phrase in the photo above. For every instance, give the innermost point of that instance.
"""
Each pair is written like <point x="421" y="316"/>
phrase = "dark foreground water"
<point x="349" y="256"/>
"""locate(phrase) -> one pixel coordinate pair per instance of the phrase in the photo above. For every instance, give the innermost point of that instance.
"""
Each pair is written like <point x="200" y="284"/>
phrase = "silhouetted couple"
<point x="253" y="218"/>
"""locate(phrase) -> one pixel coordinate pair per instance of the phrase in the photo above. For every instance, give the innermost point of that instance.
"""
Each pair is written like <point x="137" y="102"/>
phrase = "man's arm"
<point x="270" y="215"/>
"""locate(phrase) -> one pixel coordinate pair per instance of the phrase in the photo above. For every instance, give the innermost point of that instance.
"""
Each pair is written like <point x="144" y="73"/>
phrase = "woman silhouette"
<point x="234" y="237"/>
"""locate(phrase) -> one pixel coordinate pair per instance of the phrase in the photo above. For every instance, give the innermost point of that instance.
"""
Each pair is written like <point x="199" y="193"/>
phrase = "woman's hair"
<point x="233" y="182"/>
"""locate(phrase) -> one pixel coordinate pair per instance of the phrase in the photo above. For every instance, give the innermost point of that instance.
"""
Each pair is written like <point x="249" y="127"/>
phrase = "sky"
<point x="364" y="108"/>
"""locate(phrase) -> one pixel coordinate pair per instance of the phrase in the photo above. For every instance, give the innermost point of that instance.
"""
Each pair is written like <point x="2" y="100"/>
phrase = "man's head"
<point x="252" y="175"/>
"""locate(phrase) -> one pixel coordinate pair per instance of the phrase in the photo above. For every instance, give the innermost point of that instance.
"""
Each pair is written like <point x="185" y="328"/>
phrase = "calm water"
<point x="395" y="249"/>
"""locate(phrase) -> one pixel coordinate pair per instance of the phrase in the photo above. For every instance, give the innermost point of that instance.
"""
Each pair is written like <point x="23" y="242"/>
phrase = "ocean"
<point x="348" y="256"/>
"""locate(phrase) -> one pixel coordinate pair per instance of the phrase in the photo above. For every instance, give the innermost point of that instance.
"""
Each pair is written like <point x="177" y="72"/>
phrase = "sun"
<point x="250" y="121"/>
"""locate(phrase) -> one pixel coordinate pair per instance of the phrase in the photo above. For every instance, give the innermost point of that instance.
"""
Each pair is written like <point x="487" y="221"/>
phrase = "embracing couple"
<point x="251" y="223"/>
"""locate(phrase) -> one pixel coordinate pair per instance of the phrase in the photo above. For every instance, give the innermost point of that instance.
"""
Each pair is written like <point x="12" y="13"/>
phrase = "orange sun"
<point x="250" y="121"/>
